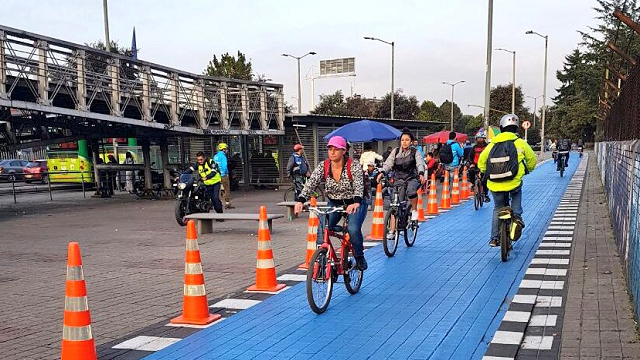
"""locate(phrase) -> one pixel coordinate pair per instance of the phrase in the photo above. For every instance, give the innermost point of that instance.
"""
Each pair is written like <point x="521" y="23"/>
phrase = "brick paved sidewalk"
<point x="598" y="320"/>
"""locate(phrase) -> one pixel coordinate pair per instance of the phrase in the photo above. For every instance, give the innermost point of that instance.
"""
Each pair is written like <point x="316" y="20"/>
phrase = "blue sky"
<point x="435" y="40"/>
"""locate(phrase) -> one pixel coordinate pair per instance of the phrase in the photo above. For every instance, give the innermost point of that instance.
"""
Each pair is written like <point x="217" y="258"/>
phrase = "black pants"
<point x="213" y="193"/>
<point x="566" y="160"/>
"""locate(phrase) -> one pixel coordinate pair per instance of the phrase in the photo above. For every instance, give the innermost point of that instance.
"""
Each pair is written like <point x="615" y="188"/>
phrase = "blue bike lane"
<point x="444" y="298"/>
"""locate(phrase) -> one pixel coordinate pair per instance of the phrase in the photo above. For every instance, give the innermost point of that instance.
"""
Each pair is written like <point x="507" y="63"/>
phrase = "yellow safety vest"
<point x="204" y="170"/>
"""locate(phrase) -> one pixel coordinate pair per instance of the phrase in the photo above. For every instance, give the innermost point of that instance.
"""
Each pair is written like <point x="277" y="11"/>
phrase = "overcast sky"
<point x="435" y="40"/>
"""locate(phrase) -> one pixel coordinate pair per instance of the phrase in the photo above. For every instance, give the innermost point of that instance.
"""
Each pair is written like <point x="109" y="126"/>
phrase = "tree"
<point x="359" y="106"/>
<point x="429" y="111"/>
<point x="405" y="107"/>
<point x="501" y="101"/>
<point x="332" y="104"/>
<point x="230" y="67"/>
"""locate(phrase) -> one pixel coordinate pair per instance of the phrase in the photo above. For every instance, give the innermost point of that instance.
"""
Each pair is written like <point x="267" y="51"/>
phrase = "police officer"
<point x="210" y="175"/>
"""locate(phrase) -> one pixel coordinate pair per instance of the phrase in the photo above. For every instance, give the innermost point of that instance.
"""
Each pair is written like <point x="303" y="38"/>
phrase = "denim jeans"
<point x="355" y="226"/>
<point x="452" y="170"/>
<point x="213" y="193"/>
<point x="500" y="200"/>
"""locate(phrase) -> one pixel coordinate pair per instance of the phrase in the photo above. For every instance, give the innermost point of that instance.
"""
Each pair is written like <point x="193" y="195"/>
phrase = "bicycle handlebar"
<point x="326" y="210"/>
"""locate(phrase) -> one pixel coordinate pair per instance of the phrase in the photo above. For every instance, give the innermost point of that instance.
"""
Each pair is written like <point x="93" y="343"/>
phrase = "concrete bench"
<point x="291" y="204"/>
<point x="204" y="221"/>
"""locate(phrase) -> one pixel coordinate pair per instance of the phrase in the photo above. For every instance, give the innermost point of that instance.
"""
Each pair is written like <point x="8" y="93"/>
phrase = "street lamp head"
<point x="286" y="55"/>
<point x="368" y="38"/>
<point x="312" y="53"/>
<point x="529" y="32"/>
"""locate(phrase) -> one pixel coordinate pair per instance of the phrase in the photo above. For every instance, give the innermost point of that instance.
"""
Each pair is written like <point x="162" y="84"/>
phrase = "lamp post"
<point x="513" y="80"/>
<point x="535" y="108"/>
<point x="487" y="79"/>
<point x="299" y="90"/>
<point x="452" y="87"/>
<point x="544" y="86"/>
<point x="392" y="43"/>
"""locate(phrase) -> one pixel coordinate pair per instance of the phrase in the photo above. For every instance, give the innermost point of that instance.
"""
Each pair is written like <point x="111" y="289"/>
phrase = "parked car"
<point x="11" y="169"/>
<point x="36" y="170"/>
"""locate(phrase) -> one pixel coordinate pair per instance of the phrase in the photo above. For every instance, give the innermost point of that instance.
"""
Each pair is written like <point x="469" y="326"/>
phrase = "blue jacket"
<point x="221" y="159"/>
<point x="457" y="151"/>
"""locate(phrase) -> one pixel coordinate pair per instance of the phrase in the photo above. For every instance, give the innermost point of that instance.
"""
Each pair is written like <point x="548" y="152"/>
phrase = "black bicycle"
<point x="398" y="219"/>
<point x="292" y="193"/>
<point x="562" y="163"/>
<point x="506" y="216"/>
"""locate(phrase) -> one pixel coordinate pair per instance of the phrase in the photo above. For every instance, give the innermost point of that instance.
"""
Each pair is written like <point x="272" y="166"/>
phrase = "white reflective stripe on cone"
<point x="311" y="245"/>
<point x="76" y="333"/>
<point x="192" y="244"/>
<point x="193" y="268"/>
<point x="75" y="273"/>
<point x="265" y="264"/>
<point x="264" y="245"/>
<point x="76" y="303"/>
<point x="194" y="290"/>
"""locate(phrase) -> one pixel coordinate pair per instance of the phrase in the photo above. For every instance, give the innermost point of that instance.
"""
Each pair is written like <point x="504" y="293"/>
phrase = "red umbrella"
<point x="442" y="137"/>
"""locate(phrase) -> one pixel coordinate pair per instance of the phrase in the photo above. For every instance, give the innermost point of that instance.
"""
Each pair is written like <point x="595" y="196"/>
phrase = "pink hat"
<point x="338" y="142"/>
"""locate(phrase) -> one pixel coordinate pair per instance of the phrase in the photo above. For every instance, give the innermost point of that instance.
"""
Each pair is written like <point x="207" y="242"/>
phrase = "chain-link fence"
<point x="623" y="121"/>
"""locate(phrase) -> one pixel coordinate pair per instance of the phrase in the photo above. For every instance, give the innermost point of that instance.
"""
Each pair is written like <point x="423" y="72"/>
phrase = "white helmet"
<point x="509" y="119"/>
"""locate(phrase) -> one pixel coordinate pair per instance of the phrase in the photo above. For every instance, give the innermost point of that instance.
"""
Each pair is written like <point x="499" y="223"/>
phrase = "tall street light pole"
<point x="452" y="87"/>
<point x="544" y="86"/>
<point x="487" y="80"/>
<point x="535" y="108"/>
<point x="105" y="10"/>
<point x="393" y="94"/>
<point x="299" y="85"/>
<point x="513" y="80"/>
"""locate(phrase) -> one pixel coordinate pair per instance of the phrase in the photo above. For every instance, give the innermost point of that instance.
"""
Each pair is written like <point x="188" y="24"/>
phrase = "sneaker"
<point x="391" y="235"/>
<point x="487" y="199"/>
<point x="361" y="263"/>
<point x="414" y="215"/>
<point x="494" y="243"/>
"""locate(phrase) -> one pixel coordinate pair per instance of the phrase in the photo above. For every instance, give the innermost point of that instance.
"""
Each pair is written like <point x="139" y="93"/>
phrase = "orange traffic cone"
<point x="312" y="234"/>
<point x="377" y="226"/>
<point x="445" y="201"/>
<point x="455" y="193"/>
<point x="420" y="206"/>
<point x="464" y="193"/>
<point x="265" y="267"/>
<point x="432" y="201"/>
<point x="195" y="308"/>
<point x="77" y="339"/>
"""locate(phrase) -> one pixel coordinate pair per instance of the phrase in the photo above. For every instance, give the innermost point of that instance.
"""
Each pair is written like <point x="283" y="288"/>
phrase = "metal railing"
<point x="44" y="177"/>
<point x="40" y="73"/>
<point x="623" y="120"/>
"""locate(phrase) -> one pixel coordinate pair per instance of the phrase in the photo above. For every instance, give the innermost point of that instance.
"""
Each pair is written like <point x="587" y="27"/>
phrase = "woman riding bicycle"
<point x="344" y="186"/>
<point x="407" y="165"/>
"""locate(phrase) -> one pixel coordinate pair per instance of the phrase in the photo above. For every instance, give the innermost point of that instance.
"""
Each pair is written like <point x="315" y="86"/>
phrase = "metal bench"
<point x="291" y="204"/>
<point x="204" y="221"/>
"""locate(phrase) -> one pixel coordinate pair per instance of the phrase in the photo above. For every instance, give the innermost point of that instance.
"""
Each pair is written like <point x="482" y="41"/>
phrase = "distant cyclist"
<point x="474" y="157"/>
<point x="298" y="168"/>
<point x="407" y="165"/>
<point x="564" y="146"/>
<point x="505" y="161"/>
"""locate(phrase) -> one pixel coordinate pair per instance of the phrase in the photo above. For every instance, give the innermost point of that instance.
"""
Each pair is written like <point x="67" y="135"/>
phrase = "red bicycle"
<point x="326" y="265"/>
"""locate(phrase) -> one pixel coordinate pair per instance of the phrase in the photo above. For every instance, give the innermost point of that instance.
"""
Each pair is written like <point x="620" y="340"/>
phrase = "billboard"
<point x="344" y="66"/>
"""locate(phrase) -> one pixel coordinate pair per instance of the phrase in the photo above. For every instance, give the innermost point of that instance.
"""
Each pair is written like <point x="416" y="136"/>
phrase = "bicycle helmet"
<point x="508" y="120"/>
<point x="222" y="146"/>
<point x="481" y="134"/>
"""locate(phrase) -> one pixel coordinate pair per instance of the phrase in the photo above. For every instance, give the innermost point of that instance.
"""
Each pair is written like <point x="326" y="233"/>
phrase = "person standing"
<point x="221" y="160"/>
<point x="450" y="155"/>
<point x="298" y="169"/>
<point x="210" y="176"/>
<point x="128" y="160"/>
<point x="368" y="155"/>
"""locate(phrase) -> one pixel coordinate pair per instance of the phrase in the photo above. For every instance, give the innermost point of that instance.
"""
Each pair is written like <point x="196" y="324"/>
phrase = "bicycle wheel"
<point x="504" y="240"/>
<point x="390" y="245"/>
<point x="562" y="168"/>
<point x="477" y="197"/>
<point x="319" y="282"/>
<point x="411" y="233"/>
<point x="352" y="275"/>
<point x="289" y="194"/>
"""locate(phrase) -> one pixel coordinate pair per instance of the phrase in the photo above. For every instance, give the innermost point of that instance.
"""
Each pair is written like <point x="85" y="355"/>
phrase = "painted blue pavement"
<point x="442" y="299"/>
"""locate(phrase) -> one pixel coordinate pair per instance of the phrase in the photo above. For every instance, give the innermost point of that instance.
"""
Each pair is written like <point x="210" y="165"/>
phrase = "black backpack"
<point x="446" y="154"/>
<point x="564" y="145"/>
<point x="502" y="164"/>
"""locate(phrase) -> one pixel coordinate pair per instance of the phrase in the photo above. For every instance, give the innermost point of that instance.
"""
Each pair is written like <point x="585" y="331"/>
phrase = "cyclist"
<point x="408" y="165"/>
<point x="474" y="156"/>
<point x="344" y="186"/>
<point x="564" y="146"/>
<point x="554" y="151"/>
<point x="298" y="169"/>
<point x="506" y="160"/>
<point x="210" y="176"/>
